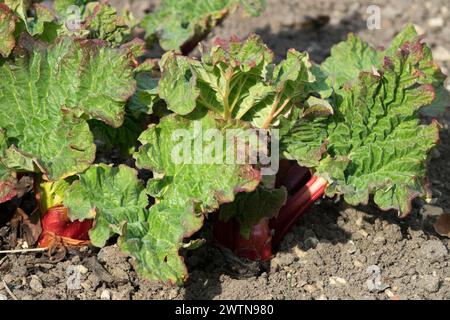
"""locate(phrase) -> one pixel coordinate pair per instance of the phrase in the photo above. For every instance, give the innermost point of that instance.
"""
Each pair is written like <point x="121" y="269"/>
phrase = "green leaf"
<point x="113" y="196"/>
<point x="146" y="95"/>
<point x="373" y="144"/>
<point x="237" y="80"/>
<point x="8" y="179"/>
<point x="46" y="97"/>
<point x="20" y="7"/>
<point x="304" y="141"/>
<point x="43" y="17"/>
<point x="348" y="59"/>
<point x="63" y="7"/>
<point x="249" y="208"/>
<point x="178" y="84"/>
<point x="376" y="128"/>
<point x="187" y="184"/>
<point x="176" y="23"/>
<point x="180" y="24"/>
<point x="254" y="7"/>
<point x="34" y="18"/>
<point x="353" y="56"/>
<point x="103" y="22"/>
<point x="7" y="29"/>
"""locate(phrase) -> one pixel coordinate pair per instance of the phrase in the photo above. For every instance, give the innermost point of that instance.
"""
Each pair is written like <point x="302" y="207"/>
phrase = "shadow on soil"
<point x="314" y="35"/>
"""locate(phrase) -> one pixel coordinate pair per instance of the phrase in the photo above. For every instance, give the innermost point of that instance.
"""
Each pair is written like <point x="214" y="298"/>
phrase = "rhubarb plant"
<point x="374" y="144"/>
<point x="70" y="96"/>
<point x="184" y="193"/>
<point x="238" y="80"/>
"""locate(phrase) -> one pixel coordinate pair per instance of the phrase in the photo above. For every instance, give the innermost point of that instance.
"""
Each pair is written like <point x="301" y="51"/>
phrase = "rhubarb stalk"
<point x="296" y="207"/>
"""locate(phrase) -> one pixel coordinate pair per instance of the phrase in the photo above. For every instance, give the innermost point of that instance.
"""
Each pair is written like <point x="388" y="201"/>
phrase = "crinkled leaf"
<point x="7" y="28"/>
<point x="8" y="179"/>
<point x="147" y="93"/>
<point x="103" y="22"/>
<point x="66" y="8"/>
<point x="376" y="129"/>
<point x="41" y="22"/>
<point x="254" y="7"/>
<point x="348" y="59"/>
<point x="304" y="140"/>
<point x="237" y="80"/>
<point x="374" y="142"/>
<point x="181" y="24"/>
<point x="171" y="150"/>
<point x="185" y="187"/>
<point x="42" y="96"/>
<point x="353" y="56"/>
<point x="155" y="245"/>
<point x="113" y="196"/>
<point x="178" y="84"/>
<point x="20" y="7"/>
<point x="249" y="208"/>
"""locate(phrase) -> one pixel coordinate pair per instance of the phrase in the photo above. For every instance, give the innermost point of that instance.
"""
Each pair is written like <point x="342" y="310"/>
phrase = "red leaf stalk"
<point x="296" y="207"/>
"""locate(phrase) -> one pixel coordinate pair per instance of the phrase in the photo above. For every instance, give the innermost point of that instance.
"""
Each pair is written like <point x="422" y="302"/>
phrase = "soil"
<point x="334" y="251"/>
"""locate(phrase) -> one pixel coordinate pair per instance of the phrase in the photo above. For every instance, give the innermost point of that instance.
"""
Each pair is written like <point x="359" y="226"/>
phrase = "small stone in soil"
<point x="430" y="210"/>
<point x="433" y="251"/>
<point x="106" y="295"/>
<point x="429" y="283"/>
<point x="351" y="247"/>
<point x="379" y="238"/>
<point x="36" y="284"/>
<point x="311" y="243"/>
<point x="337" y="281"/>
<point x="437" y="22"/>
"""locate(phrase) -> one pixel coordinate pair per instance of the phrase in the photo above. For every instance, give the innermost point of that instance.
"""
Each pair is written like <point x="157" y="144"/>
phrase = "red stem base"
<point x="267" y="235"/>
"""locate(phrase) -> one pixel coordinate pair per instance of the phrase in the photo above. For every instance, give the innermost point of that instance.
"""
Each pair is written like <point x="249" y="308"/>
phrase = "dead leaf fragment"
<point x="26" y="227"/>
<point x="442" y="225"/>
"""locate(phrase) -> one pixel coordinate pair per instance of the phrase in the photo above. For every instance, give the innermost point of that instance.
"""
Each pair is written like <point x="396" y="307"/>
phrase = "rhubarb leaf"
<point x="178" y="84"/>
<point x="7" y="177"/>
<point x="192" y="177"/>
<point x="44" y="95"/>
<point x="187" y="168"/>
<point x="8" y="184"/>
<point x="64" y="7"/>
<point x="376" y="129"/>
<point x="102" y="21"/>
<point x="237" y="80"/>
<point x="373" y="144"/>
<point x="7" y="29"/>
<point x="181" y="24"/>
<point x="249" y="208"/>
<point x="348" y="59"/>
<point x="113" y="196"/>
<point x="353" y="56"/>
<point x="40" y="23"/>
<point x="304" y="141"/>
<point x="147" y="93"/>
